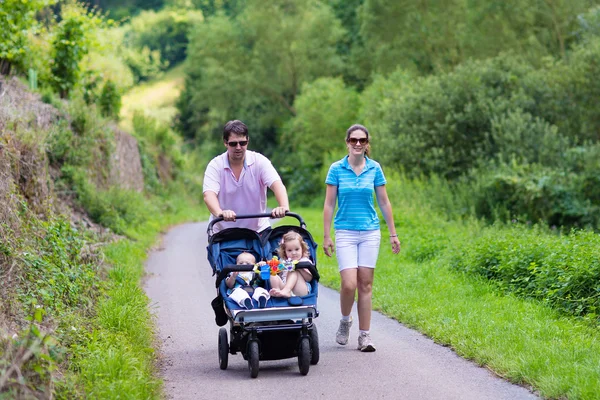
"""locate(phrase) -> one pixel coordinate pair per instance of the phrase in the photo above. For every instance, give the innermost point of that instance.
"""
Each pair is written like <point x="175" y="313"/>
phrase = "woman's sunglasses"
<point x="241" y="143"/>
<point x="353" y="141"/>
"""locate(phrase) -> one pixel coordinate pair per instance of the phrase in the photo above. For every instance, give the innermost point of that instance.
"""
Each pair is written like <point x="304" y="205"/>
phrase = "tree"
<point x="325" y="109"/>
<point x="17" y="18"/>
<point x="252" y="66"/>
<point x="71" y="44"/>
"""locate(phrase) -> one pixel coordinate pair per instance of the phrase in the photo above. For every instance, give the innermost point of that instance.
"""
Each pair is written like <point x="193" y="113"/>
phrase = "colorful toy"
<point x="274" y="266"/>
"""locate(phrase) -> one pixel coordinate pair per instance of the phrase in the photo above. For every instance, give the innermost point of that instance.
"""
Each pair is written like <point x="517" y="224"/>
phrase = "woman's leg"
<point x="365" y="293"/>
<point x="348" y="290"/>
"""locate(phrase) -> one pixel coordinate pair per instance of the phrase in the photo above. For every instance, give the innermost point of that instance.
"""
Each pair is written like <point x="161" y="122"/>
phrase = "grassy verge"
<point x="119" y="359"/>
<point x="523" y="341"/>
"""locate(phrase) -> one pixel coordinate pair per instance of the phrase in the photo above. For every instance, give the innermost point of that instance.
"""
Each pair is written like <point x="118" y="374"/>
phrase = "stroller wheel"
<point x="253" y="358"/>
<point x="223" y="348"/>
<point x="314" y="346"/>
<point x="304" y="355"/>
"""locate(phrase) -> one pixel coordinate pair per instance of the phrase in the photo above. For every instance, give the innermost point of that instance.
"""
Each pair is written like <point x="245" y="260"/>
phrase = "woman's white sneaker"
<point x="343" y="332"/>
<point x="365" y="343"/>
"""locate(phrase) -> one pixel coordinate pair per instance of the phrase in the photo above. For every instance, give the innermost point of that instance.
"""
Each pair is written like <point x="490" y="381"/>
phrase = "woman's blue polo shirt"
<point x="356" y="204"/>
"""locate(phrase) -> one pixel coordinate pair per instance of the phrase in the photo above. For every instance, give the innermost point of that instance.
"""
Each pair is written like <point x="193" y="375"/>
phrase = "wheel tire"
<point x="223" y="348"/>
<point x="253" y="358"/>
<point x="304" y="355"/>
<point x="314" y="346"/>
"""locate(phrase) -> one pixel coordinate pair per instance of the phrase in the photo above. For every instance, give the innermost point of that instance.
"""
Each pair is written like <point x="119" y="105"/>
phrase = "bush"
<point x="71" y="43"/>
<point x="560" y="270"/>
<point x="312" y="134"/>
<point x="110" y="100"/>
<point x="164" y="31"/>
<point x="17" y="17"/>
<point x="160" y="149"/>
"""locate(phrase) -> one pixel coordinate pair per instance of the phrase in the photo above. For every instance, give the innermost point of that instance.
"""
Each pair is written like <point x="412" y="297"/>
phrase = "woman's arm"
<point x="386" y="209"/>
<point x="328" y="207"/>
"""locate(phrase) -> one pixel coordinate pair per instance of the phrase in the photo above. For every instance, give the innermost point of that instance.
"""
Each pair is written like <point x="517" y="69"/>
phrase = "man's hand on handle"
<point x="228" y="215"/>
<point x="279" y="212"/>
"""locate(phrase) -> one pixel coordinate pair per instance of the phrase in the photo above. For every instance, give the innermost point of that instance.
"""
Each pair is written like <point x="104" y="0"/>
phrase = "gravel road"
<point x="406" y="365"/>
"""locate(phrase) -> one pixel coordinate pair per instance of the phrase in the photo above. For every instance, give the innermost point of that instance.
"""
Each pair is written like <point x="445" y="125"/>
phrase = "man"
<point x="237" y="180"/>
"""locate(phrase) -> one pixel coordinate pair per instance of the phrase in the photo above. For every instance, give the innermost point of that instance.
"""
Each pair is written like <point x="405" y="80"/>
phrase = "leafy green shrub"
<point x="17" y="17"/>
<point x="60" y="277"/>
<point x="60" y="140"/>
<point x="160" y="150"/>
<point x="164" y="31"/>
<point x="71" y="43"/>
<point x="313" y="133"/>
<point x="115" y="208"/>
<point x="442" y="124"/>
<point x="561" y="270"/>
<point x="145" y="64"/>
<point x="110" y="100"/>
<point x="497" y="109"/>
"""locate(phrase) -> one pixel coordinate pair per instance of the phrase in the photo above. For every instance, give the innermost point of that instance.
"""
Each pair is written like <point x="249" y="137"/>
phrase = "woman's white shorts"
<point x="357" y="248"/>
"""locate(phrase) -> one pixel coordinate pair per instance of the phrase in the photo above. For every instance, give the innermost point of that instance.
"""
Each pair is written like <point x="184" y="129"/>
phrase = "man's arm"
<point x="212" y="203"/>
<point x="281" y="196"/>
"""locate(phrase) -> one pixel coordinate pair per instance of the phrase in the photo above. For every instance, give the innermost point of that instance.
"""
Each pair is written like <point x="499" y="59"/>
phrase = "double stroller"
<point x="284" y="328"/>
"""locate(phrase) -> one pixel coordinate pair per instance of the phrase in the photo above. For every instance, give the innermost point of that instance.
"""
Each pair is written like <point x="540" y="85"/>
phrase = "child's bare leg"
<point x="300" y="288"/>
<point x="290" y="282"/>
<point x="276" y="285"/>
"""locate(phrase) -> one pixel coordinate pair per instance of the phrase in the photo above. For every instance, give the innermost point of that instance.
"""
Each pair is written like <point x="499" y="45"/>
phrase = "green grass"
<point x="523" y="341"/>
<point x="156" y="98"/>
<point x="119" y="360"/>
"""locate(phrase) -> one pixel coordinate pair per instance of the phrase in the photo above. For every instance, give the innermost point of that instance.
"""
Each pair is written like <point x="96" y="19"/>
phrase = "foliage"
<point x="500" y="109"/>
<point x="110" y="100"/>
<point x="114" y="208"/>
<point x="559" y="270"/>
<point x="535" y="194"/>
<point x="17" y="17"/>
<point x="145" y="64"/>
<point x="162" y="159"/>
<point x="325" y="109"/>
<point x="71" y="43"/>
<point x="165" y="31"/>
<point x="252" y="67"/>
<point x="120" y="9"/>
<point x="212" y="7"/>
<point x="29" y="361"/>
<point x="431" y="37"/>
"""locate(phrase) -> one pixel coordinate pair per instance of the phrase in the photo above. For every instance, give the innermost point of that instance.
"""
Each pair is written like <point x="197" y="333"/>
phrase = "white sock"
<point x="360" y="332"/>
<point x="346" y="318"/>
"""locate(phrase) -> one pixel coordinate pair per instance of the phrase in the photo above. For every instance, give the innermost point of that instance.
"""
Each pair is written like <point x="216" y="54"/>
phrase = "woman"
<point x="352" y="181"/>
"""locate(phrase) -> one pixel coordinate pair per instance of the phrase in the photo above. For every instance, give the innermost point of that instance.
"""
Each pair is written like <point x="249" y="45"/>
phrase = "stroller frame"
<point x="285" y="328"/>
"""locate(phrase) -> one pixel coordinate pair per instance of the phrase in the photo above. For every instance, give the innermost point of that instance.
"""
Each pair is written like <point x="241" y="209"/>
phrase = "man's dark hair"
<point x="235" y="126"/>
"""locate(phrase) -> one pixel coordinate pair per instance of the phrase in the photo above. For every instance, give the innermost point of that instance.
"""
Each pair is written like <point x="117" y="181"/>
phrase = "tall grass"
<point x="119" y="359"/>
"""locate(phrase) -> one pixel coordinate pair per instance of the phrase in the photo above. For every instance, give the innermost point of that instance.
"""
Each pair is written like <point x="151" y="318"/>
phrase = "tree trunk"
<point x="5" y="67"/>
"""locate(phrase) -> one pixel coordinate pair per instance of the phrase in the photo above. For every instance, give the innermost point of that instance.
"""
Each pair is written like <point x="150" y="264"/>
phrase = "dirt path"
<point x="406" y="365"/>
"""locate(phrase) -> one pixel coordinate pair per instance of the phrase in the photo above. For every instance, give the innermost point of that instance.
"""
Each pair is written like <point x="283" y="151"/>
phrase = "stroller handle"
<point x="261" y="215"/>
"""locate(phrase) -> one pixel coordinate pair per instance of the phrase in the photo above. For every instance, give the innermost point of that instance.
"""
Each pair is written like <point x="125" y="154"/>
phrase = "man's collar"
<point x="249" y="159"/>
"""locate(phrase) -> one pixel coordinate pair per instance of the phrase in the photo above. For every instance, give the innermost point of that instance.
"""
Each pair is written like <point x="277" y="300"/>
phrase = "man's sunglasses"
<point x="241" y="143"/>
<point x="355" y="140"/>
